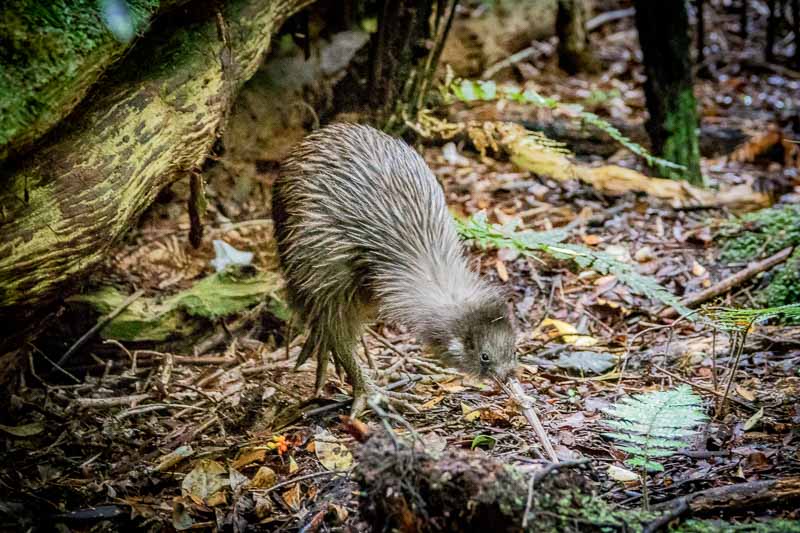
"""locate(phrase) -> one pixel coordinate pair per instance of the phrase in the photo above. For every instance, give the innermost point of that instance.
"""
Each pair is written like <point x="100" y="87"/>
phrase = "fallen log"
<point x="152" y="121"/>
<point x="51" y="57"/>
<point x="783" y="492"/>
<point x="407" y="488"/>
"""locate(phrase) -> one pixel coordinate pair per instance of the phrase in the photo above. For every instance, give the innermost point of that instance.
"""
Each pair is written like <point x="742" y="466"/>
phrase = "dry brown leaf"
<point x="591" y="240"/>
<point x="568" y="333"/>
<point x="293" y="496"/>
<point x="265" y="478"/>
<point x="249" y="456"/>
<point x="331" y="452"/>
<point x="698" y="269"/>
<point x="205" y="479"/>
<point x="747" y="394"/>
<point x="756" y="145"/>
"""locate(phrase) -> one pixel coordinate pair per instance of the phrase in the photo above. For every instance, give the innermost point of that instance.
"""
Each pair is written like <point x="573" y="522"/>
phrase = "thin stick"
<point x="112" y="402"/>
<point x="514" y="390"/>
<point x="98" y="326"/>
<point x="731" y="281"/>
<point x="303" y="478"/>
<point x="703" y="388"/>
<point x="608" y="16"/>
<point x="383" y="340"/>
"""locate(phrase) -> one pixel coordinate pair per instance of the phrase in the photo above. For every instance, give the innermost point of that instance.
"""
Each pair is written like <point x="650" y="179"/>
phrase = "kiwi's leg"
<point x="322" y="368"/>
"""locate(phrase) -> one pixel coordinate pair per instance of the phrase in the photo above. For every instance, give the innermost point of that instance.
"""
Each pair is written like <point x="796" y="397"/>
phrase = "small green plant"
<point x="479" y="230"/>
<point x="654" y="425"/>
<point x="472" y="91"/>
<point x="761" y="233"/>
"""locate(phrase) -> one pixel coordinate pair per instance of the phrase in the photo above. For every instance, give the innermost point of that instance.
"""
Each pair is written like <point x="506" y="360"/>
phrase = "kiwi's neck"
<point x="429" y="296"/>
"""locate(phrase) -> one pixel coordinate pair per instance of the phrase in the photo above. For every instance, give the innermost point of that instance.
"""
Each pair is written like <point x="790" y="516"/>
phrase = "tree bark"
<point x="154" y="120"/>
<point x="574" y="52"/>
<point x="664" y="36"/>
<point x="51" y="56"/>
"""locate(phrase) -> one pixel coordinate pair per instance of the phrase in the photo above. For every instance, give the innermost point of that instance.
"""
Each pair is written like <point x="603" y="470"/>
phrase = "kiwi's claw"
<point x="399" y="400"/>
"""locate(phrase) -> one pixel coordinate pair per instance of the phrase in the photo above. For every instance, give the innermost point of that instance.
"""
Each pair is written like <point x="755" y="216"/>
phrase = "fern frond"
<point x="488" y="235"/>
<point x="655" y="424"/>
<point x="487" y="91"/>
<point x="741" y="319"/>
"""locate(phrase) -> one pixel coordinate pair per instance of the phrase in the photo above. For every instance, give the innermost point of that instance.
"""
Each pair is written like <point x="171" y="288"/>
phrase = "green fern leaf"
<point x="655" y="424"/>
<point x="486" y="235"/>
<point x="487" y="91"/>
<point x="741" y="319"/>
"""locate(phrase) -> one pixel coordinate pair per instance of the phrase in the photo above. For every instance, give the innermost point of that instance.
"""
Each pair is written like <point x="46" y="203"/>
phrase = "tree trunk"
<point x="51" y="56"/>
<point x="574" y="52"/>
<point x="154" y="120"/>
<point x="664" y="36"/>
<point x="403" y="56"/>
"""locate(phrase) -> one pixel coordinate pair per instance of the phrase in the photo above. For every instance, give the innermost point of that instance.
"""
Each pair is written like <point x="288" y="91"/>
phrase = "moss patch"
<point x="761" y="234"/>
<point x="51" y="53"/>
<point x="716" y="526"/>
<point x="216" y="296"/>
<point x="682" y="145"/>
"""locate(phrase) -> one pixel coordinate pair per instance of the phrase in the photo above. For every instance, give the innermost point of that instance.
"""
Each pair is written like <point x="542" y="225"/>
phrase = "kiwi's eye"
<point x="485" y="357"/>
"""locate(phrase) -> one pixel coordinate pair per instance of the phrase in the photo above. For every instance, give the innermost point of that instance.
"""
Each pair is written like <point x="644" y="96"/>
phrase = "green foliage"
<point x="486" y="235"/>
<point x="472" y="91"/>
<point x="741" y="319"/>
<point x="654" y="424"/>
<point x="222" y="294"/>
<point x="784" y="287"/>
<point x="761" y="233"/>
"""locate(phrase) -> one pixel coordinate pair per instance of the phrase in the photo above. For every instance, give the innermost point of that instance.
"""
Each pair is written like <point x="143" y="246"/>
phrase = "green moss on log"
<point x="52" y="52"/>
<point x="153" y="121"/>
<point x="761" y="233"/>
<point x="784" y="287"/>
<point x="682" y="144"/>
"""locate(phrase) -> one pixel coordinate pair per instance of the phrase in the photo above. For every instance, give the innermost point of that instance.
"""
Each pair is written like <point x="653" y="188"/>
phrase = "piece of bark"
<point x="773" y="492"/>
<point x="154" y="120"/>
<point x="406" y="488"/>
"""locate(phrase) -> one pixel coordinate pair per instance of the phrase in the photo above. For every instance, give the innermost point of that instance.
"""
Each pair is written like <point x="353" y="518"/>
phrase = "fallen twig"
<point x="115" y="401"/>
<point x="98" y="326"/>
<point x="731" y="281"/>
<point x="739" y="496"/>
<point x="609" y="16"/>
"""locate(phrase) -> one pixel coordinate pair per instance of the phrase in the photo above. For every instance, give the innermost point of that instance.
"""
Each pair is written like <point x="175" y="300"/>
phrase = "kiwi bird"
<point x="364" y="233"/>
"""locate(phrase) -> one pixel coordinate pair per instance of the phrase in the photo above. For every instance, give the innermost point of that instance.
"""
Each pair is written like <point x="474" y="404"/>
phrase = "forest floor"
<point x="187" y="433"/>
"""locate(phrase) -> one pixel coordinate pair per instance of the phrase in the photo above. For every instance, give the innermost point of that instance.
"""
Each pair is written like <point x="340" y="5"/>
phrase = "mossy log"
<point x="410" y="488"/>
<point x="52" y="53"/>
<point x="153" y="120"/>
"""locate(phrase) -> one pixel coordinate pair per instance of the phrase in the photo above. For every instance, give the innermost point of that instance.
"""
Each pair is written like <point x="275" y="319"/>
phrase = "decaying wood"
<point x="152" y="122"/>
<point x="737" y="497"/>
<point x="406" y="488"/>
<point x="731" y="282"/>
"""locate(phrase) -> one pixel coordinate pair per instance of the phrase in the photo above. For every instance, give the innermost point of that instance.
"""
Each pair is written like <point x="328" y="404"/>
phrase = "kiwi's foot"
<point x="368" y="390"/>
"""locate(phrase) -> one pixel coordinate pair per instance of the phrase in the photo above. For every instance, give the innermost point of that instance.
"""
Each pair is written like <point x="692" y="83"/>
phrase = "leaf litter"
<point x="184" y="432"/>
